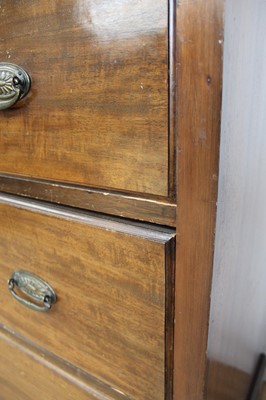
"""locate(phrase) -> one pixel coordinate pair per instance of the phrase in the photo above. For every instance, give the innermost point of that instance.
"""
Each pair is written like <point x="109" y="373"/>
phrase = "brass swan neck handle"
<point x="15" y="84"/>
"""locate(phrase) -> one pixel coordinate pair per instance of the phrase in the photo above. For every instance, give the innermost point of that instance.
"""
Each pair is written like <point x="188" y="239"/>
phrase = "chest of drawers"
<point x="108" y="185"/>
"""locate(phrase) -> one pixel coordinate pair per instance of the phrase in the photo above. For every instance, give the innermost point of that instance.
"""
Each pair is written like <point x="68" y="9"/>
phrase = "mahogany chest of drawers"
<point x="108" y="179"/>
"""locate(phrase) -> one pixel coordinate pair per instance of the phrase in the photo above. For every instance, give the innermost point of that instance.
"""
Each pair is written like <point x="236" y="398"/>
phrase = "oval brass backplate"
<point x="15" y="84"/>
<point x="39" y="295"/>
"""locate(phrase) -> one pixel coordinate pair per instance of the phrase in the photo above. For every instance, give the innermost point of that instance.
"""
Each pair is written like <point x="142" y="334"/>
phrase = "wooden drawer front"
<point x="110" y="279"/>
<point x="26" y="373"/>
<point x="98" y="110"/>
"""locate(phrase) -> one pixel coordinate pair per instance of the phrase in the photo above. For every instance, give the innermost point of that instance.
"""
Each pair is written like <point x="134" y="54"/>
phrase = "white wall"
<point x="238" y="311"/>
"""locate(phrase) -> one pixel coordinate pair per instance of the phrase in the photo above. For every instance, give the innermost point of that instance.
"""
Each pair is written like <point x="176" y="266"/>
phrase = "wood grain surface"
<point x="112" y="309"/>
<point x="98" y="110"/>
<point x="199" y="69"/>
<point x="28" y="372"/>
<point x="138" y="207"/>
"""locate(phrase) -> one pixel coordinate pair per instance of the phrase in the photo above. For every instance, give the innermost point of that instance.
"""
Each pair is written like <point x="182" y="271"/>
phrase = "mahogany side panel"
<point x="199" y="36"/>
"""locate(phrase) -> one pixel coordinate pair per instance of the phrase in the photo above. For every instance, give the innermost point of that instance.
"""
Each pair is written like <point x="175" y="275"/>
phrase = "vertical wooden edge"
<point x="172" y="157"/>
<point x="170" y="251"/>
<point x="199" y="50"/>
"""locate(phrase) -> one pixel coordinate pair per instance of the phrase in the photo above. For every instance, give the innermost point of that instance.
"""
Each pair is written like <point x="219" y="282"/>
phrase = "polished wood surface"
<point x="153" y="210"/>
<point x="110" y="279"/>
<point x="144" y="130"/>
<point x="28" y="372"/>
<point x="98" y="110"/>
<point x="199" y="70"/>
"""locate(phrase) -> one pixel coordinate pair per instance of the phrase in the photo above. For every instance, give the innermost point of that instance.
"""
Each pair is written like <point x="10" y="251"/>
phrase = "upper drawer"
<point x="97" y="114"/>
<point x="113" y="316"/>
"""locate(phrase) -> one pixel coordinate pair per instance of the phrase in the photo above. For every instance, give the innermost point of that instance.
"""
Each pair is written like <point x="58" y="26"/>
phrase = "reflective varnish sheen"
<point x="98" y="110"/>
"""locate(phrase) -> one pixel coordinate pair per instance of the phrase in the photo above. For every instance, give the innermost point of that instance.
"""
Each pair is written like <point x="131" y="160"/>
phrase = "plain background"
<point x="238" y="310"/>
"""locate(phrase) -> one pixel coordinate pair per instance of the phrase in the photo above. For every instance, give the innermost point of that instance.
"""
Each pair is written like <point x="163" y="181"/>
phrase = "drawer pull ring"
<point x="40" y="296"/>
<point x="15" y="84"/>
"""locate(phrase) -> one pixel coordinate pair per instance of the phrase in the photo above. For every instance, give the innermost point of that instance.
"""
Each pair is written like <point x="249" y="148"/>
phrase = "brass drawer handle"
<point x="41" y="295"/>
<point x="15" y="84"/>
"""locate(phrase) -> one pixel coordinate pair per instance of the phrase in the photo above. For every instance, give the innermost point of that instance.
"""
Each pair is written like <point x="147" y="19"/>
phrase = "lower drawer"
<point x="113" y="315"/>
<point x="26" y="373"/>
